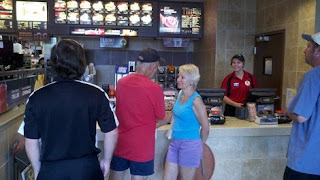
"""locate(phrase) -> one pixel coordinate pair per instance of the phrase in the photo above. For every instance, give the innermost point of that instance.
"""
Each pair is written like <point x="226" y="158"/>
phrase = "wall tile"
<point x="277" y="146"/>
<point x="105" y="74"/>
<point x="280" y="14"/>
<point x="308" y="10"/>
<point x="251" y="5"/>
<point x="102" y="57"/>
<point x="292" y="34"/>
<point x="255" y="169"/>
<point x="260" y="20"/>
<point x="255" y="147"/>
<point x="229" y="169"/>
<point x="250" y="21"/>
<point x="4" y="147"/>
<point x="222" y="4"/>
<point x="299" y="78"/>
<point x="167" y="56"/>
<point x="291" y="59"/>
<point x="90" y="55"/>
<point x="190" y="57"/>
<point x="119" y="58"/>
<point x="292" y="11"/>
<point x="302" y="65"/>
<point x="179" y="58"/>
<point x="222" y="19"/>
<point x="235" y="39"/>
<point x="132" y="55"/>
<point x="227" y="148"/>
<point x="305" y="27"/>
<point x="4" y="171"/>
<point x="269" y="16"/>
<point x="235" y="5"/>
<point x="221" y="39"/>
<point x="220" y="59"/>
<point x="236" y="20"/>
<point x="276" y="168"/>
<point x="289" y="80"/>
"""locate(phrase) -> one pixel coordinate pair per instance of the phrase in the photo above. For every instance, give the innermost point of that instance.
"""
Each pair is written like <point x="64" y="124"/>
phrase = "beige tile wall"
<point x="236" y="26"/>
<point x="296" y="17"/>
<point x="205" y="49"/>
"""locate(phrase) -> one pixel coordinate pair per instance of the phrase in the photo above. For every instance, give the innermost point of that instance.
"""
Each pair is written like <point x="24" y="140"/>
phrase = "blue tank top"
<point x="186" y="124"/>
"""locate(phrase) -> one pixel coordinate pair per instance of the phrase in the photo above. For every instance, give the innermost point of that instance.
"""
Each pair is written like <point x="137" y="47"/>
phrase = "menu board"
<point x="109" y="13"/>
<point x="6" y="14"/>
<point x="169" y="20"/>
<point x="190" y="21"/>
<point x="180" y="20"/>
<point x="31" y="15"/>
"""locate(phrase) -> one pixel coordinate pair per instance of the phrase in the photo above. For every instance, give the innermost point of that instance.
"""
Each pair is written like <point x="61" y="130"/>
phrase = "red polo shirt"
<point x="239" y="88"/>
<point x="140" y="102"/>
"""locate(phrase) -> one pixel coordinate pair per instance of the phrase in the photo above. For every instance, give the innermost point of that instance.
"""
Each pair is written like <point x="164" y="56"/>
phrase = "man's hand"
<point x="105" y="167"/>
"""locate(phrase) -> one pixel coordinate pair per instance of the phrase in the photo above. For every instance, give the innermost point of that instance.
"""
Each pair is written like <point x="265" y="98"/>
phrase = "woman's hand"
<point x="238" y="104"/>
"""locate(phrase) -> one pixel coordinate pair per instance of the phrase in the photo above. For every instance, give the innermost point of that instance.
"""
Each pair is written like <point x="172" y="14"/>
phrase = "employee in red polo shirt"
<point x="237" y="85"/>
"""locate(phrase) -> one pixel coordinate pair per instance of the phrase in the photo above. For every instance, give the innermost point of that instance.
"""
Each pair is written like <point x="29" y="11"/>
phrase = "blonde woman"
<point x="185" y="150"/>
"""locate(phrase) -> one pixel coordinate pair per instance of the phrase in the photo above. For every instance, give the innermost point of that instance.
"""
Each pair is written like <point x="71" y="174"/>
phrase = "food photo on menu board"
<point x="72" y="4"/>
<point x="31" y="11"/>
<point x="60" y="17"/>
<point x="6" y="5"/>
<point x="122" y="7"/>
<point x="85" y="5"/>
<point x="110" y="7"/>
<point x="134" y="7"/>
<point x="169" y="20"/>
<point x="97" y="19"/>
<point x="97" y="6"/>
<point x="60" y="5"/>
<point x="85" y="18"/>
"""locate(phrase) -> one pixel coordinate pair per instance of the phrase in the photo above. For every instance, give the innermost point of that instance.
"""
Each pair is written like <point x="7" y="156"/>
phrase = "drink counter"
<point x="242" y="150"/>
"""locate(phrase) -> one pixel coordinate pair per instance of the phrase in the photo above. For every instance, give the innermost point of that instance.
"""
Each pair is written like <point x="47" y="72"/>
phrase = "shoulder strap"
<point x="229" y="85"/>
<point x="251" y="79"/>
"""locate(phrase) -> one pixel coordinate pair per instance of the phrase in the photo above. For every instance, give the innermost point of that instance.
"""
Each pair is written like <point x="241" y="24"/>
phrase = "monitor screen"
<point x="211" y="95"/>
<point x="31" y="11"/>
<point x="256" y="93"/>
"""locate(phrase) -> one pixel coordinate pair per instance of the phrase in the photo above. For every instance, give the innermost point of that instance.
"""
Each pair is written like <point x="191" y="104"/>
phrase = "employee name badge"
<point x="236" y="84"/>
<point x="247" y="83"/>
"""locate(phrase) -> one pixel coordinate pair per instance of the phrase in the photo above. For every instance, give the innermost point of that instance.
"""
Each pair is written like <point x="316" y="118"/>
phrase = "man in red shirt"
<point x="140" y="104"/>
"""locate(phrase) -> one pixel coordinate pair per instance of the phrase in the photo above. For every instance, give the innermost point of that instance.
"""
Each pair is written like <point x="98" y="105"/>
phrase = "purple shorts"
<point x="187" y="153"/>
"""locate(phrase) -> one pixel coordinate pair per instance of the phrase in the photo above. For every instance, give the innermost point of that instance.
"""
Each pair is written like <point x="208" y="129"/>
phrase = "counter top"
<point x="236" y="127"/>
<point x="13" y="114"/>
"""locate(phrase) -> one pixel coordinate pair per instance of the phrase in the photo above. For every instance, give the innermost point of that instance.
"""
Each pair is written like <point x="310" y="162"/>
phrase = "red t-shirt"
<point x="239" y="88"/>
<point x="140" y="102"/>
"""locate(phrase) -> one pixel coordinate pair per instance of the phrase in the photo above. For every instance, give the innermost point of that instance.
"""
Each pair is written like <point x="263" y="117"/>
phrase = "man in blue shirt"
<point x="303" y="153"/>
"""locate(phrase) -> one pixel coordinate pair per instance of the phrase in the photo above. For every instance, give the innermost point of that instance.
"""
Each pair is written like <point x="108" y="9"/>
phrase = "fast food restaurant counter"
<point x="242" y="149"/>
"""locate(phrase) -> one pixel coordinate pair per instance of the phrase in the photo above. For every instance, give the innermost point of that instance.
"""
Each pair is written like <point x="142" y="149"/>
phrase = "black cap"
<point x="239" y="56"/>
<point x="149" y="55"/>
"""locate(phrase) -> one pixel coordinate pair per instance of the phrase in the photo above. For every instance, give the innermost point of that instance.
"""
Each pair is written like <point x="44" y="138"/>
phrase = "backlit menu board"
<point x="169" y="20"/>
<point x="109" y="13"/>
<point x="190" y="20"/>
<point x="31" y="15"/>
<point x="180" y="20"/>
<point x="6" y="14"/>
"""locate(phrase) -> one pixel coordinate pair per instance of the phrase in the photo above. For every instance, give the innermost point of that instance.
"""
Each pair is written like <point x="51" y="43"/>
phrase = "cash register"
<point x="265" y="99"/>
<point x="213" y="99"/>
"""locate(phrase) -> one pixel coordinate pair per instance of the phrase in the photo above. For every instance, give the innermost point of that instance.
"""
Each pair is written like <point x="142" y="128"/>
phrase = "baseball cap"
<point x="239" y="56"/>
<point x="149" y="55"/>
<point x="315" y="38"/>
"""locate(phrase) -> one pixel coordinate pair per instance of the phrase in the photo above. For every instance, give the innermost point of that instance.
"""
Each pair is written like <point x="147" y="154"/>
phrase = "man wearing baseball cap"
<point x="140" y="104"/>
<point x="303" y="152"/>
